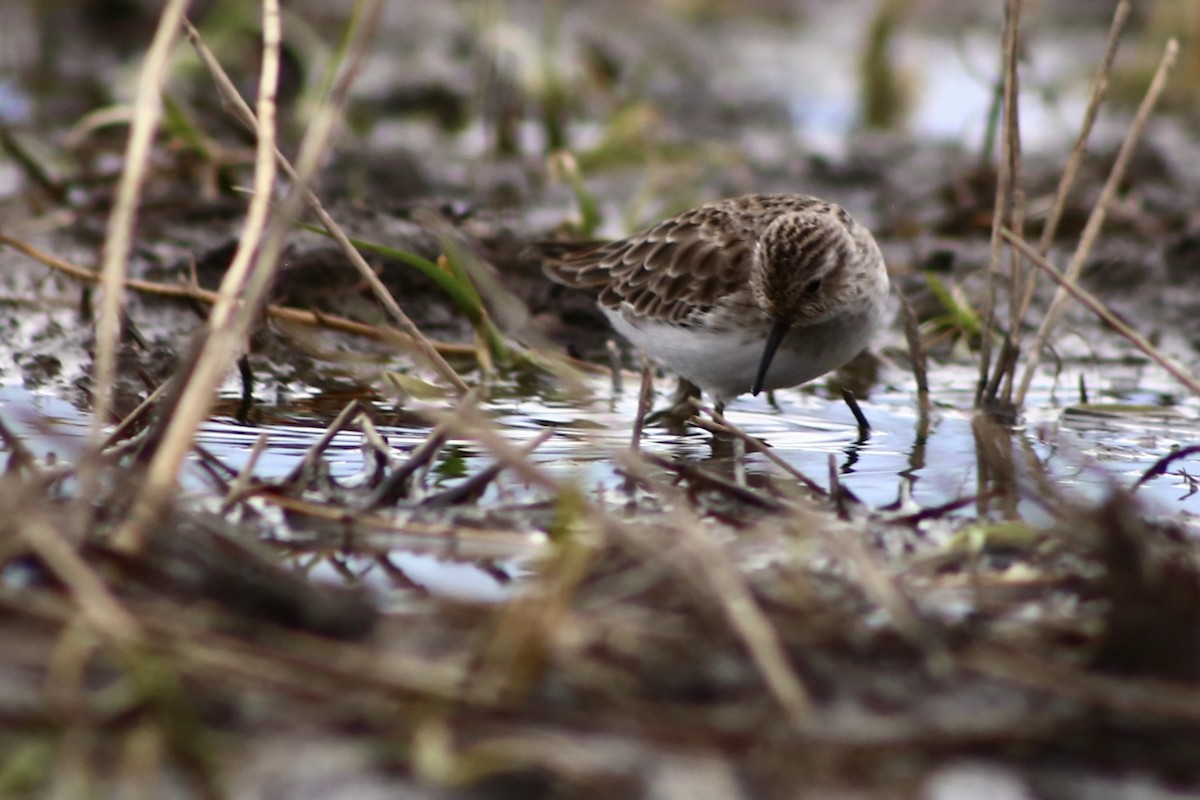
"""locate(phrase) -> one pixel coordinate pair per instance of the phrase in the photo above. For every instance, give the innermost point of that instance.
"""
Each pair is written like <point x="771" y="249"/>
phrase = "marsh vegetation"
<point x="315" y="486"/>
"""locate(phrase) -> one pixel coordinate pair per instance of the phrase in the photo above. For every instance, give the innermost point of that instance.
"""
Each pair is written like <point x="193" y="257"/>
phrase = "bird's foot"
<point x="683" y="407"/>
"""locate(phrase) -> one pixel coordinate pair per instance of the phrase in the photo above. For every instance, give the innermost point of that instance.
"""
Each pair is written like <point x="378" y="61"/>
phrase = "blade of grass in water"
<point x="178" y="123"/>
<point x="958" y="314"/>
<point x="453" y="281"/>
<point x="566" y="166"/>
<point x="485" y="328"/>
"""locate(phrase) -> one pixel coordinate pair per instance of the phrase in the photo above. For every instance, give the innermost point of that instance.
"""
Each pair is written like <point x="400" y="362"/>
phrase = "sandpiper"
<point x="762" y="291"/>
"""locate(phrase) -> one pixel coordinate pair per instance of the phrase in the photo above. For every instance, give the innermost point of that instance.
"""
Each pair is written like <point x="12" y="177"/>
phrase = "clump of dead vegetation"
<point x="692" y="633"/>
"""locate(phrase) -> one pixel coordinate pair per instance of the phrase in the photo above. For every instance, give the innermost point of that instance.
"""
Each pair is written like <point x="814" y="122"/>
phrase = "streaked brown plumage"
<point x="753" y="292"/>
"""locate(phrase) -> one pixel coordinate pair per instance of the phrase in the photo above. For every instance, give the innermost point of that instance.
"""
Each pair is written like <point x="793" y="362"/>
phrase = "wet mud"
<point x="365" y="580"/>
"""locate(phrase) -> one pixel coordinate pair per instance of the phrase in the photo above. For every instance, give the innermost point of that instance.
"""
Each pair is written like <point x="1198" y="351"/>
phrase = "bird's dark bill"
<point x="778" y="331"/>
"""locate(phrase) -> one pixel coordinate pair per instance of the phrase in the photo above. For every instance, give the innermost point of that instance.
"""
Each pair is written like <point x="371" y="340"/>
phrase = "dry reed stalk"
<point x="194" y="292"/>
<point x="1065" y="183"/>
<point x="147" y="111"/>
<point x="1006" y="181"/>
<point x="243" y="484"/>
<point x="1153" y="698"/>
<point x="529" y="626"/>
<point x="143" y="408"/>
<point x="308" y="462"/>
<point x="1099" y="90"/>
<point x="88" y="591"/>
<point x="1069" y="286"/>
<point x="1096" y="219"/>
<point x="872" y="577"/>
<point x="721" y="425"/>
<point x="293" y="660"/>
<point x="240" y="296"/>
<point x="468" y="423"/>
<point x="246" y="116"/>
<point x="1006" y="363"/>
<point x="719" y="578"/>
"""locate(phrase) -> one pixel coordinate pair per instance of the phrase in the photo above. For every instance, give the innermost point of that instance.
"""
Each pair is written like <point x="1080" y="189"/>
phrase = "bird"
<point x="751" y="293"/>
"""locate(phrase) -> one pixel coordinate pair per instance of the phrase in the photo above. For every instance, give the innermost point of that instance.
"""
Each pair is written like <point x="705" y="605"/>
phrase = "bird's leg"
<point x="681" y="409"/>
<point x="864" y="427"/>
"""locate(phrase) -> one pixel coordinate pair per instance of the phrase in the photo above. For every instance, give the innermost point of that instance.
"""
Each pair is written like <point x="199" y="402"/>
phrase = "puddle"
<point x="663" y="107"/>
<point x="50" y="428"/>
<point x="1086" y="451"/>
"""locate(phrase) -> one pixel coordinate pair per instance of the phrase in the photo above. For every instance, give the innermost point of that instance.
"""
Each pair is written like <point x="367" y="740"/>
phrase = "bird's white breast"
<point x="724" y="364"/>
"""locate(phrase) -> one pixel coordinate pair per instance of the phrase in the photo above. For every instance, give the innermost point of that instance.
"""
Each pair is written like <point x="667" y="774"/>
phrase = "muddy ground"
<point x="688" y="622"/>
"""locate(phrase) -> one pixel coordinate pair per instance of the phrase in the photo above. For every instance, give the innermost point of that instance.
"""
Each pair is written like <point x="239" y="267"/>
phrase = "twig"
<point x="308" y="464"/>
<point x="1006" y="180"/>
<point x="743" y="613"/>
<point x="724" y="426"/>
<point x="473" y="487"/>
<point x="1096" y="218"/>
<point x="702" y="479"/>
<point x="30" y="166"/>
<point x="467" y="422"/>
<point x="396" y="485"/>
<point x="242" y="293"/>
<point x="147" y="110"/>
<point x="1067" y="180"/>
<point x="1160" y="467"/>
<point x="1099" y="89"/>
<point x="143" y="408"/>
<point x="243" y="482"/>
<point x="1068" y="286"/>
<point x="1006" y="364"/>
<point x="91" y="596"/>
<point x="190" y="291"/>
<point x="243" y="112"/>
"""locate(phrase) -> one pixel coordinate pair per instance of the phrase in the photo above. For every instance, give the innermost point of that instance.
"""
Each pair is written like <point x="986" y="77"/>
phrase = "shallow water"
<point x="809" y="69"/>
<point x="1086" y="448"/>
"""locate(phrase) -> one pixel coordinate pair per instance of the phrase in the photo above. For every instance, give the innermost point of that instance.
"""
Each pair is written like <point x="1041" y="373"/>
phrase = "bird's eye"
<point x="813" y="286"/>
